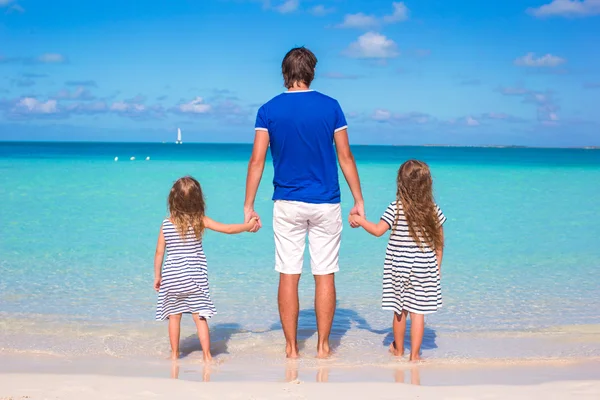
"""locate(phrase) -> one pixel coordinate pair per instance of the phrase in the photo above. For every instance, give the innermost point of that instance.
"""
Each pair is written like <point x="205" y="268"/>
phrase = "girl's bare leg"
<point x="399" y="328"/>
<point x="417" y="329"/>
<point x="174" y="329"/>
<point x="203" y="335"/>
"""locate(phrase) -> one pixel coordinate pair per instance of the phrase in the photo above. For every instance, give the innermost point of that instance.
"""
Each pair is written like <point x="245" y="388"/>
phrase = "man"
<point x="301" y="126"/>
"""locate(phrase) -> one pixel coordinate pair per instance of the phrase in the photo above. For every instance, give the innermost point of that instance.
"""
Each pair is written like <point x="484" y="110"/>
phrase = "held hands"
<point x="249" y="215"/>
<point x="356" y="214"/>
<point x="355" y="220"/>
<point x="252" y="225"/>
<point x="157" y="282"/>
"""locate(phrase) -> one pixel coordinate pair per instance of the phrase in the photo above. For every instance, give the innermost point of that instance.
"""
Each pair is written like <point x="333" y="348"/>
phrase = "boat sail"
<point x="178" y="136"/>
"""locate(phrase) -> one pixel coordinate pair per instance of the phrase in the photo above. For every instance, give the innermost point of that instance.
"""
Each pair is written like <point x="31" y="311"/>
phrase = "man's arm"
<point x="256" y="167"/>
<point x="348" y="165"/>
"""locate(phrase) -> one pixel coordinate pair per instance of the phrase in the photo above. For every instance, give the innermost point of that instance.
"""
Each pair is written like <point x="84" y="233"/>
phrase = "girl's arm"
<point x="375" y="229"/>
<point x="440" y="252"/>
<point x="159" y="255"/>
<point x="230" y="228"/>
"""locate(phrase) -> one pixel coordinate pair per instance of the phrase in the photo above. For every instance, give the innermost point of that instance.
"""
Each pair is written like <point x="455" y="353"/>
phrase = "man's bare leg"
<point x="289" y="307"/>
<point x="325" y="309"/>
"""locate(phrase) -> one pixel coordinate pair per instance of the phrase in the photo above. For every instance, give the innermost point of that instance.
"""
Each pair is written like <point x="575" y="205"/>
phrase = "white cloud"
<point x="288" y="6"/>
<point x="30" y="105"/>
<point x="80" y="93"/>
<point x="321" y="10"/>
<point x="87" y="107"/>
<point x="124" y="107"/>
<point x="400" y="13"/>
<point x="4" y="3"/>
<point x="359" y="20"/>
<point x="567" y="8"/>
<point x="196" y="106"/>
<point x="51" y="58"/>
<point x="119" y="106"/>
<point x="381" y="115"/>
<point x="544" y="102"/>
<point x="372" y="45"/>
<point x="365" y="21"/>
<point x="530" y="60"/>
<point x="470" y="121"/>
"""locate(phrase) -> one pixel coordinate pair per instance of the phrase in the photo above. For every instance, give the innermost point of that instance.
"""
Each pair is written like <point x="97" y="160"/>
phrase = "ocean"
<point x="78" y="232"/>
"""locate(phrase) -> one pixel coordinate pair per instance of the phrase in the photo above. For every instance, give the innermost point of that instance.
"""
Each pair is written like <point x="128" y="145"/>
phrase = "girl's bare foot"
<point x="208" y="358"/>
<point x="174" y="355"/>
<point x="397" y="352"/>
<point x="415" y="358"/>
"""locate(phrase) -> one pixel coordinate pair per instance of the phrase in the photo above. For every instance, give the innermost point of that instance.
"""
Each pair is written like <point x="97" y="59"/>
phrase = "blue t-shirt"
<point x="301" y="126"/>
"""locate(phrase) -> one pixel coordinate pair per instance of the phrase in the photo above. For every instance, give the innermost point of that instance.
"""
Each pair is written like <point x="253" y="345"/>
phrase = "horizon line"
<point x="498" y="146"/>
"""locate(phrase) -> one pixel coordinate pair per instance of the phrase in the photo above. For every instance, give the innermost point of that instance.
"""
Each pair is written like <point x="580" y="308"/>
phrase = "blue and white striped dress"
<point x="411" y="280"/>
<point x="184" y="286"/>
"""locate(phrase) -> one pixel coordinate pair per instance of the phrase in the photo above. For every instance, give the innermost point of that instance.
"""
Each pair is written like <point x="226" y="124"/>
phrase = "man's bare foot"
<point x="323" y="351"/>
<point x="397" y="352"/>
<point x="415" y="358"/>
<point x="291" y="352"/>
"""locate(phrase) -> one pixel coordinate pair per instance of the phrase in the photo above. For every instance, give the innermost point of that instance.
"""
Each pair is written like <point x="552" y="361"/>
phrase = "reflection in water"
<point x="323" y="374"/>
<point x="291" y="371"/>
<point x="206" y="371"/>
<point x="174" y="370"/>
<point x="415" y="377"/>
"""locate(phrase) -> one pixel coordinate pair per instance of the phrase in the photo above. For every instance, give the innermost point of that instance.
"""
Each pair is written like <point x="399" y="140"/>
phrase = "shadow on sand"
<point x="343" y="321"/>
<point x="429" y="337"/>
<point x="220" y="334"/>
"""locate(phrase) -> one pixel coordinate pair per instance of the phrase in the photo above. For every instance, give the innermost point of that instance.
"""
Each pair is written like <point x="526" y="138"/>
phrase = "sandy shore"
<point x="89" y="387"/>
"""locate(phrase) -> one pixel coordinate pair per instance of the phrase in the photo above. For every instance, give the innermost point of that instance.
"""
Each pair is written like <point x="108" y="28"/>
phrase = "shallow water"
<point x="78" y="234"/>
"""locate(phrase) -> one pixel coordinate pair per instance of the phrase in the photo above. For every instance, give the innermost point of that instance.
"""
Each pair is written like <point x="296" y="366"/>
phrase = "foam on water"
<point x="78" y="234"/>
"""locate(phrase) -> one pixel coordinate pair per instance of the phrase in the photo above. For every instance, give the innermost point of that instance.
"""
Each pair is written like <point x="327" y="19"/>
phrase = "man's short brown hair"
<point x="298" y="66"/>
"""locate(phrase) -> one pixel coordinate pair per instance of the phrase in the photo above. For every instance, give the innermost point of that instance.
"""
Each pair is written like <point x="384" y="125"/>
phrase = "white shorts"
<point x="292" y="220"/>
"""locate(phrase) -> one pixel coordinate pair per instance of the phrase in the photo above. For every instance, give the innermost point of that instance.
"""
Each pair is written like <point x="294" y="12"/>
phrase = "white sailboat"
<point x="178" y="136"/>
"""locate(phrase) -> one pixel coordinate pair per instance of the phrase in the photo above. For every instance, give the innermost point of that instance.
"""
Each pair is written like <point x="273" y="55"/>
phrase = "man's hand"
<point x="355" y="219"/>
<point x="249" y="214"/>
<point x="358" y="209"/>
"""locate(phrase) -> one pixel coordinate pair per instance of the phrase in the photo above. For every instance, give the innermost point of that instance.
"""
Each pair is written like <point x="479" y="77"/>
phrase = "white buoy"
<point x="132" y="158"/>
<point x="116" y="158"/>
<point x="147" y="158"/>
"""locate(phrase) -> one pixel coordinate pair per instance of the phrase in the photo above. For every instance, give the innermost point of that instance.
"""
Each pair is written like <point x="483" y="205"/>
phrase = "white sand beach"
<point x="89" y="387"/>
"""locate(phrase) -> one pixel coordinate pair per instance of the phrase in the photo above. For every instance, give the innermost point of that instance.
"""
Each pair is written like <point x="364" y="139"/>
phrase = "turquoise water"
<point x="78" y="233"/>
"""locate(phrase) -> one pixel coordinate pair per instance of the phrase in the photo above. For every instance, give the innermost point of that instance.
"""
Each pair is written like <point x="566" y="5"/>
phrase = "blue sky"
<point x="523" y="72"/>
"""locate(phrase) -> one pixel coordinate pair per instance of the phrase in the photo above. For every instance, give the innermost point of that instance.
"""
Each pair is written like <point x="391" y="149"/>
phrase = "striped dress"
<point x="184" y="285"/>
<point x="411" y="280"/>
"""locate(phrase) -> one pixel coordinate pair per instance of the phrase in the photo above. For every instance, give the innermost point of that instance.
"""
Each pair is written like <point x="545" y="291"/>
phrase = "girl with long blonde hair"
<point x="413" y="259"/>
<point x="182" y="283"/>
